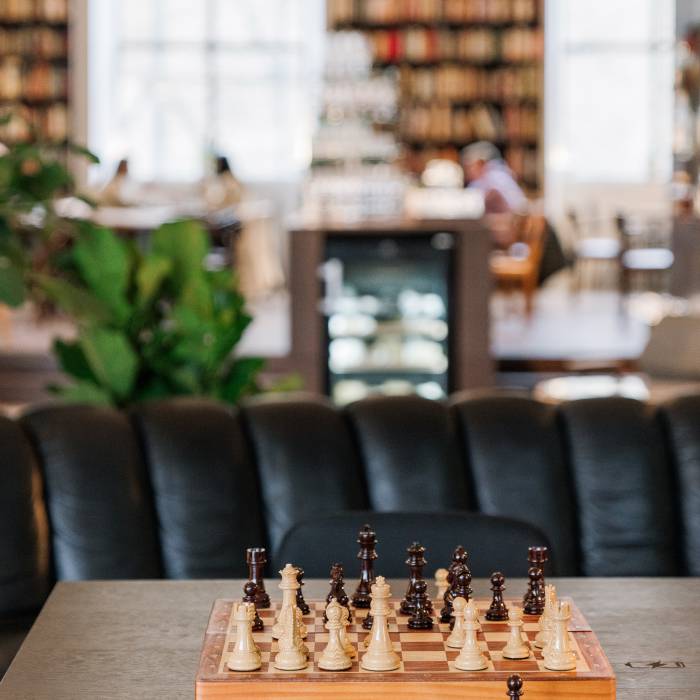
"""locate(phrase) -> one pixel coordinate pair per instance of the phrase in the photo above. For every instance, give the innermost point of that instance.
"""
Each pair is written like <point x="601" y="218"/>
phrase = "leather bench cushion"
<point x="307" y="463"/>
<point x="99" y="503"/>
<point x="410" y="453"/>
<point x="205" y="487"/>
<point x="623" y="488"/>
<point x="681" y="421"/>
<point x="24" y="549"/>
<point x="518" y="468"/>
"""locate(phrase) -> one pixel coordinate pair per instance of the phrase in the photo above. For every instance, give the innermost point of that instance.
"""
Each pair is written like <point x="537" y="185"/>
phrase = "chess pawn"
<point x="460" y="587"/>
<point x="497" y="612"/>
<point x="245" y="655"/>
<point x="441" y="583"/>
<point x="380" y="654"/>
<point x="516" y="648"/>
<point x="301" y="603"/>
<point x="347" y="644"/>
<point x="457" y="636"/>
<point x="559" y="656"/>
<point x="292" y="654"/>
<point x="249" y="596"/>
<point x="545" y="622"/>
<point x="334" y="656"/>
<point x="337" y="590"/>
<point x="471" y="658"/>
<point x="515" y="687"/>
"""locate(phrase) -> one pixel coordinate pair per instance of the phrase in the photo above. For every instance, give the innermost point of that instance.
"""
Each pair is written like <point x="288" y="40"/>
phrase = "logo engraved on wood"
<point x="655" y="664"/>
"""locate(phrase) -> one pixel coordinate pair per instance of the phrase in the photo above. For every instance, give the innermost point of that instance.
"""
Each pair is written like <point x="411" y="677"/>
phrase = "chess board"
<point x="427" y="664"/>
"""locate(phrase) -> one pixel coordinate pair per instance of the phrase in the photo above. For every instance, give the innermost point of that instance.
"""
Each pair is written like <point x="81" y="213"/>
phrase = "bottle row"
<point x="450" y="82"/>
<point x="428" y="45"/>
<point x="34" y="42"/>
<point x="454" y="11"/>
<point x="34" y="10"/>
<point x="438" y="123"/>
<point x="48" y="124"/>
<point x="31" y="82"/>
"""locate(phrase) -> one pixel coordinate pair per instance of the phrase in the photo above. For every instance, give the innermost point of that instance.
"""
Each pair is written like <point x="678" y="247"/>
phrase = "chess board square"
<point x="515" y="665"/>
<point x="426" y="666"/>
<point x="422" y="646"/>
<point x="266" y="613"/>
<point x="424" y="636"/>
<point x="423" y="656"/>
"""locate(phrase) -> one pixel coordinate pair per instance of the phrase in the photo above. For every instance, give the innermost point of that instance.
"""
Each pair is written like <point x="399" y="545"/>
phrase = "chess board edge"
<point x="339" y="685"/>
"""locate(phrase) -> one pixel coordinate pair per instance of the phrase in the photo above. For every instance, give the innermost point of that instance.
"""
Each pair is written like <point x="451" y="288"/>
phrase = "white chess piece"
<point x="441" y="583"/>
<point x="292" y="654"/>
<point x="245" y="655"/>
<point x="347" y="644"/>
<point x="545" y="622"/>
<point x="559" y="656"/>
<point x="471" y="658"/>
<point x="380" y="654"/>
<point x="334" y="656"/>
<point x="457" y="636"/>
<point x="289" y="586"/>
<point x="515" y="648"/>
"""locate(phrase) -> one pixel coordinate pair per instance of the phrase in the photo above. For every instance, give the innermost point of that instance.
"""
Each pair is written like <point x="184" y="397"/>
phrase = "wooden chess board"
<point x="427" y="669"/>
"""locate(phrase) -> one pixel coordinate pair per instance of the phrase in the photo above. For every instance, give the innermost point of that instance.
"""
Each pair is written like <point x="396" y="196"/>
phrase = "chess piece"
<point x="515" y="687"/>
<point x="334" y="656"/>
<point x="301" y="603"/>
<point x="441" y="583"/>
<point x="459" y="558"/>
<point x="497" y="612"/>
<point x="462" y="577"/>
<point x="380" y="654"/>
<point x="558" y="655"/>
<point x="533" y="602"/>
<point x="292" y="654"/>
<point x="545" y="622"/>
<point x="249" y="596"/>
<point x="337" y="590"/>
<point x="416" y="563"/>
<point x="347" y="644"/>
<point x="470" y="657"/>
<point x="367" y="539"/>
<point x="457" y="636"/>
<point x="256" y="558"/>
<point x="516" y="648"/>
<point x="289" y="586"/>
<point x="421" y="617"/>
<point x="245" y="655"/>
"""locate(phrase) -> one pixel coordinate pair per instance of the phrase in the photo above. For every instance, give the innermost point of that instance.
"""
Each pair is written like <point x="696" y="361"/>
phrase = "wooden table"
<point x="138" y="640"/>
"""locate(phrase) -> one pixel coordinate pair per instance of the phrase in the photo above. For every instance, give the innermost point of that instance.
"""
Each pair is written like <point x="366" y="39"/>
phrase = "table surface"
<point x="141" y="639"/>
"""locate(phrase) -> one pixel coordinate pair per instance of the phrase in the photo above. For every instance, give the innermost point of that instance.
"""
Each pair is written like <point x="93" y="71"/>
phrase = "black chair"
<point x="494" y="543"/>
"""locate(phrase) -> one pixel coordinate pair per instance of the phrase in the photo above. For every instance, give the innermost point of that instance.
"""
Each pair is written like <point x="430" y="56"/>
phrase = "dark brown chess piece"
<point x="416" y="563"/>
<point x="534" y="600"/>
<point x="256" y="558"/>
<point x="497" y="611"/>
<point x="367" y="539"/>
<point x="515" y="687"/>
<point x="421" y="617"/>
<point x="459" y="558"/>
<point x="337" y="591"/>
<point x="301" y="603"/>
<point x="249" y="593"/>
<point x="460" y="588"/>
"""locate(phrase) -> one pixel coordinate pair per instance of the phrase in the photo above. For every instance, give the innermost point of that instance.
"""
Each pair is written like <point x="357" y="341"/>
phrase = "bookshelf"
<point x="468" y="70"/>
<point x="34" y="70"/>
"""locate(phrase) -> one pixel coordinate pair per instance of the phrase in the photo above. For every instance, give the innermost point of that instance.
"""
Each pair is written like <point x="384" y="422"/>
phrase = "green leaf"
<point x="149" y="277"/>
<point x="72" y="360"/>
<point x="103" y="261"/>
<point x="12" y="287"/>
<point x="240" y="379"/>
<point x="72" y="300"/>
<point x="82" y="151"/>
<point x="82" y="392"/>
<point x="186" y="244"/>
<point x="111" y="359"/>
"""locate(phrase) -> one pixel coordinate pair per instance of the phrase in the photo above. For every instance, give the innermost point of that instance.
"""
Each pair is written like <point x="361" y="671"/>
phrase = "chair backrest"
<point x="673" y="350"/>
<point x="494" y="543"/>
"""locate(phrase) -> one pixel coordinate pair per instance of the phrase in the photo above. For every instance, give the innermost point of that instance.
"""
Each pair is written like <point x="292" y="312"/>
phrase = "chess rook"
<point x="416" y="563"/>
<point x="545" y="623"/>
<point x="533" y="602"/>
<point x="558" y="655"/>
<point x="256" y="558"/>
<point x="367" y="539"/>
<point x="497" y="612"/>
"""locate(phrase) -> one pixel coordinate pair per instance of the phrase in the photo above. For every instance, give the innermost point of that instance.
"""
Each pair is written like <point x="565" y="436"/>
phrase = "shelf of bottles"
<point x="34" y="70"/>
<point x="467" y="69"/>
<point x="387" y="309"/>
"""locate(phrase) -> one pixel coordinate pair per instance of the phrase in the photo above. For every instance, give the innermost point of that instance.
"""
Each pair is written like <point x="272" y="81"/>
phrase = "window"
<point x="610" y="71"/>
<point x="173" y="81"/>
